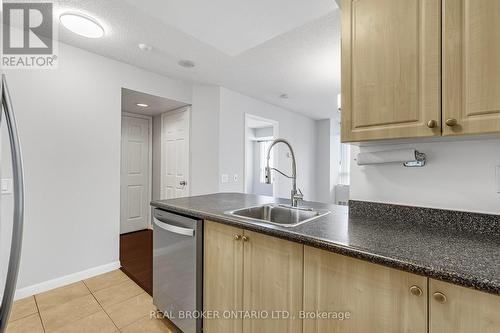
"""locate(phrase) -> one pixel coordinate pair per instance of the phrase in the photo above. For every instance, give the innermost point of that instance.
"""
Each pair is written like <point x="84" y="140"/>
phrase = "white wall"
<point x="69" y="124"/>
<point x="460" y="175"/>
<point x="156" y="167"/>
<point x="335" y="148"/>
<point x="298" y="129"/>
<point x="6" y="204"/>
<point x="70" y="130"/>
<point x="205" y="140"/>
<point x="324" y="181"/>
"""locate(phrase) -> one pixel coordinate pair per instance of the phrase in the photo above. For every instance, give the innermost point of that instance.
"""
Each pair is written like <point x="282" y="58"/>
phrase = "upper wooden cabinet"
<point x="471" y="66"/>
<point x="455" y="309"/>
<point x="391" y="69"/>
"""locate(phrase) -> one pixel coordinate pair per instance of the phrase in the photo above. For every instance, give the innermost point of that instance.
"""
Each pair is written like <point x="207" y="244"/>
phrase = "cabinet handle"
<point x="439" y="297"/>
<point x="431" y="123"/>
<point x="245" y="238"/>
<point x="237" y="237"/>
<point x="451" y="122"/>
<point x="416" y="291"/>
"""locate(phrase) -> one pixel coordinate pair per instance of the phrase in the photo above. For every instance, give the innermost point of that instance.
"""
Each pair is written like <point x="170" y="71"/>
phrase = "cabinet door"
<point x="273" y="275"/>
<point x="391" y="69"/>
<point x="462" y="310"/>
<point x="378" y="298"/>
<point x="471" y="66"/>
<point x="223" y="276"/>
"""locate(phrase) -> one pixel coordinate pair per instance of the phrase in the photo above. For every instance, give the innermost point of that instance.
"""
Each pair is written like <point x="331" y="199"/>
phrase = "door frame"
<point x="182" y="109"/>
<point x="150" y="159"/>
<point x="276" y="130"/>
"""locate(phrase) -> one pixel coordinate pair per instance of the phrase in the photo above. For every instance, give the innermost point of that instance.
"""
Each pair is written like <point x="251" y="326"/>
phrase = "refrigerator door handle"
<point x="17" y="228"/>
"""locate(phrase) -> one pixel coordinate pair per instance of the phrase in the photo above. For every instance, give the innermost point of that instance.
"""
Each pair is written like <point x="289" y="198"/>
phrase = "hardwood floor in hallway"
<point x="136" y="257"/>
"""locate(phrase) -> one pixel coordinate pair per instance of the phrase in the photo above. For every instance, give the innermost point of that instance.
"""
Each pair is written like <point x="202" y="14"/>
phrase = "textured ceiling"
<point x="303" y="62"/>
<point x="234" y="26"/>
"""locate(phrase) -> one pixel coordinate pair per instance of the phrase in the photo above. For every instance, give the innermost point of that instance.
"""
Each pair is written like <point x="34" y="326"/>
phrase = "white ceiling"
<point x="258" y="123"/>
<point x="293" y="47"/>
<point x="234" y="26"/>
<point x="157" y="105"/>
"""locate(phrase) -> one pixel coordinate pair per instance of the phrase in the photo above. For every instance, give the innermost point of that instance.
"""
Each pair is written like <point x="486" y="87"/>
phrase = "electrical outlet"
<point x="224" y="179"/>
<point x="7" y="186"/>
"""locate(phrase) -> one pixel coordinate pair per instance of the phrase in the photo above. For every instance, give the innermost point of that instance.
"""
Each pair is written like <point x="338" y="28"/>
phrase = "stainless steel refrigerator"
<point x="7" y="116"/>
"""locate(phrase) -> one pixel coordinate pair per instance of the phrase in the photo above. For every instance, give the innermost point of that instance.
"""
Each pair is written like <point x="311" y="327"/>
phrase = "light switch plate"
<point x="224" y="179"/>
<point x="497" y="177"/>
<point x="7" y="186"/>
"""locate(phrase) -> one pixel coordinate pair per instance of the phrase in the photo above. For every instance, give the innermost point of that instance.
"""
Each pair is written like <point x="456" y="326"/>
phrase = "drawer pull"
<point x="439" y="297"/>
<point x="451" y="122"/>
<point x="431" y="123"/>
<point x="416" y="291"/>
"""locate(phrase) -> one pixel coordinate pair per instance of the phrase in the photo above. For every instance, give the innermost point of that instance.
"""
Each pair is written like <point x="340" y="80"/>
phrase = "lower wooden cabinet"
<point x="258" y="274"/>
<point x="378" y="299"/>
<point x="272" y="281"/>
<point x="222" y="276"/>
<point x="250" y="274"/>
<point x="455" y="309"/>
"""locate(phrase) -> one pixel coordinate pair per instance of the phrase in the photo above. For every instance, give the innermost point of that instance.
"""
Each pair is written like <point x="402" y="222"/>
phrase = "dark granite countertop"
<point x="463" y="257"/>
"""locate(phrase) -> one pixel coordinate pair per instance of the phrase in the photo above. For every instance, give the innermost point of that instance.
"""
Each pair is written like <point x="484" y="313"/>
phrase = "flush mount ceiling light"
<point x="82" y="25"/>
<point x="142" y="105"/>
<point x="186" y="63"/>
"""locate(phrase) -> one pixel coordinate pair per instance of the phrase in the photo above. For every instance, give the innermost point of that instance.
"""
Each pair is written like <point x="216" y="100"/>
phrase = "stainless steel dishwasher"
<point x="178" y="269"/>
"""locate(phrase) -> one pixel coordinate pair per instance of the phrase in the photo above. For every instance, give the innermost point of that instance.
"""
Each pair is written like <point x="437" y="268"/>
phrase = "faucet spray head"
<point x="268" y="178"/>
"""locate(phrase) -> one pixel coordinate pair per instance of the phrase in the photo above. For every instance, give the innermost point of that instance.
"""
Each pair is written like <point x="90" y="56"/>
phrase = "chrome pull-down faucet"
<point x="296" y="194"/>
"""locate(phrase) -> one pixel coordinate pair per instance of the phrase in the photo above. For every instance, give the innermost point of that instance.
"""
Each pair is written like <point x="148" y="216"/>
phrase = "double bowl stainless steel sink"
<point x="282" y="215"/>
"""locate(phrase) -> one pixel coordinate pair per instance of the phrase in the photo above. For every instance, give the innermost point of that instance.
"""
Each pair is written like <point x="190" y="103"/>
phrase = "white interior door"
<point x="175" y="154"/>
<point x="135" y="187"/>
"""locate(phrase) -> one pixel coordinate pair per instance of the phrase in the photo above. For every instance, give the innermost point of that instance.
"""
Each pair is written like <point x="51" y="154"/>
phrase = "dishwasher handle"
<point x="173" y="228"/>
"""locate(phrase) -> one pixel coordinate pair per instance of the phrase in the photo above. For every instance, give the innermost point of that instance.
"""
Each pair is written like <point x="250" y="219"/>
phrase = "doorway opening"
<point x="259" y="133"/>
<point x="143" y="164"/>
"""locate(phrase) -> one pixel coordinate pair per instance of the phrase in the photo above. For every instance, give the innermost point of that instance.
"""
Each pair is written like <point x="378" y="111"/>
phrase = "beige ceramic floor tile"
<point x="61" y="295"/>
<point x="96" y="323"/>
<point x="118" y="293"/>
<point x="147" y="325"/>
<point x="131" y="310"/>
<point x="61" y="315"/>
<point x="106" y="280"/>
<point x="30" y="324"/>
<point x="23" y="308"/>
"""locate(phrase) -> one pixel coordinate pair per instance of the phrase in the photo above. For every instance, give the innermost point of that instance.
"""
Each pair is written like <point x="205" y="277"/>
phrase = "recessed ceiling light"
<point x="186" y="63"/>
<point x="145" y="47"/>
<point x="82" y="25"/>
<point x="284" y="96"/>
<point x="142" y="105"/>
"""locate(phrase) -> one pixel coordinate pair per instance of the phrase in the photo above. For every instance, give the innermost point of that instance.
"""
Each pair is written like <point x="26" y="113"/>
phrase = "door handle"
<point x="17" y="228"/>
<point x="183" y="183"/>
<point x="173" y="228"/>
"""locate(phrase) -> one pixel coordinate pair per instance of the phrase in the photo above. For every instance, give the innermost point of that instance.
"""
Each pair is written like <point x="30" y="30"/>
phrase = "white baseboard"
<point x="65" y="280"/>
